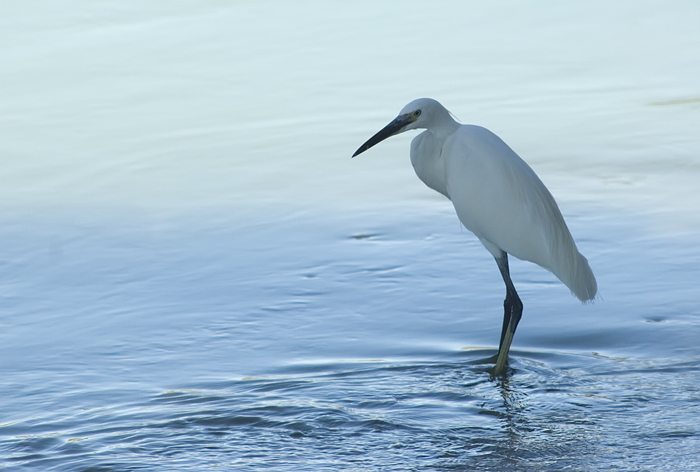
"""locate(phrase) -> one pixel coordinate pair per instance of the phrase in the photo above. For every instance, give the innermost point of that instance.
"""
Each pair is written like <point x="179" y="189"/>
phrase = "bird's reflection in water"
<point x="532" y="437"/>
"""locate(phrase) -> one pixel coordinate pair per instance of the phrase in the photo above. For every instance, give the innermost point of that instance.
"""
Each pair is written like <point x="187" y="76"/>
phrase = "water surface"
<point x="195" y="275"/>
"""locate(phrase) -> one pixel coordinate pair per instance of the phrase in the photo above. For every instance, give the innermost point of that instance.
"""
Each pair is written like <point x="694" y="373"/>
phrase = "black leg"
<point x="505" y="273"/>
<point x="512" y="312"/>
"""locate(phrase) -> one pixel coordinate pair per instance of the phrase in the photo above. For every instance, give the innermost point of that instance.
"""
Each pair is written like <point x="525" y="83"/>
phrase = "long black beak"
<point x="389" y="130"/>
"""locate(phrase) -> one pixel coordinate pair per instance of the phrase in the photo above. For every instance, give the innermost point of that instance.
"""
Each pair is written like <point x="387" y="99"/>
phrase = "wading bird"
<point x="497" y="196"/>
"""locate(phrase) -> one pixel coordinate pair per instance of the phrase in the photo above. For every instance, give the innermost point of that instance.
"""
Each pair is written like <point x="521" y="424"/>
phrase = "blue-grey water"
<point x="194" y="275"/>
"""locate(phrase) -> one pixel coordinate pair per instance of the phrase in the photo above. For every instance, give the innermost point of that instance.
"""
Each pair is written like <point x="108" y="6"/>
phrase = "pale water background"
<point x="194" y="275"/>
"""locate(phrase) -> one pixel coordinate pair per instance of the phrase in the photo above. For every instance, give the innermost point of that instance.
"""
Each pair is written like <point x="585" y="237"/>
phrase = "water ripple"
<point x="395" y="415"/>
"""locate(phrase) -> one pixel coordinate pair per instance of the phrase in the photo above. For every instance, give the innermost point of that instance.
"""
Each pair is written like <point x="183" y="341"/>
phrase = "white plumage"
<point x="497" y="196"/>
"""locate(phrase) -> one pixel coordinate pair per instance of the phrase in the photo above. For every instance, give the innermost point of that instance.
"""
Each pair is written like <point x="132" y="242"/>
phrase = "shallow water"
<point x="194" y="274"/>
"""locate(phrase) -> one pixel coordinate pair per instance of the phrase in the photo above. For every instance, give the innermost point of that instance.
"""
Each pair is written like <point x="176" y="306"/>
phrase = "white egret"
<point x="497" y="196"/>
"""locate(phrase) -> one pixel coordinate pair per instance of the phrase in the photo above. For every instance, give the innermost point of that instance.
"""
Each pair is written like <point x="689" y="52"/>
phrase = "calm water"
<point x="195" y="275"/>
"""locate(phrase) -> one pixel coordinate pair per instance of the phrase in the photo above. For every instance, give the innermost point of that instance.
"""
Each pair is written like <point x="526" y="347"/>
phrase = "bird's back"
<point x="499" y="198"/>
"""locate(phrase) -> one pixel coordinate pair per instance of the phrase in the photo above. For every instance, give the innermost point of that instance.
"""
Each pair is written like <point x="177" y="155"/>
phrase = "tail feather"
<point x="581" y="280"/>
<point x="569" y="265"/>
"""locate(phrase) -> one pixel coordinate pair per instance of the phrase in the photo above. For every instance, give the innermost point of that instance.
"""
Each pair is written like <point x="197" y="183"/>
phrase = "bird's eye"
<point x="416" y="113"/>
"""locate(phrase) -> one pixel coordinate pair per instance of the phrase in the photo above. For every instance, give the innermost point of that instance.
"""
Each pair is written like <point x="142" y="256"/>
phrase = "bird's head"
<point x="419" y="114"/>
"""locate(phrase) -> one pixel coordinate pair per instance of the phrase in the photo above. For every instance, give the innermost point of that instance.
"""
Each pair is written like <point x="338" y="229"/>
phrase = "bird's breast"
<point x="426" y="158"/>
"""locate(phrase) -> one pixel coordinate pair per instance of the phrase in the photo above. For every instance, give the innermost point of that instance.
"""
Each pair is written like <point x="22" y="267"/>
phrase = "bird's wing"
<point x="499" y="198"/>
